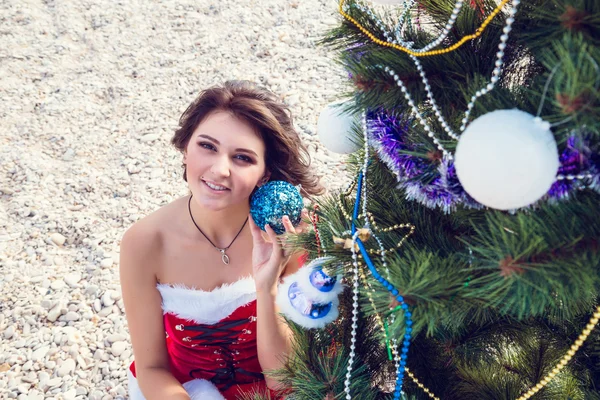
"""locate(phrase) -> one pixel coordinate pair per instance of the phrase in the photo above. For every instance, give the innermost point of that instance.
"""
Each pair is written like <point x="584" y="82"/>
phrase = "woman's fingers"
<point x="287" y="224"/>
<point x="302" y="227"/>
<point x="273" y="237"/>
<point x="304" y="216"/>
<point x="255" y="230"/>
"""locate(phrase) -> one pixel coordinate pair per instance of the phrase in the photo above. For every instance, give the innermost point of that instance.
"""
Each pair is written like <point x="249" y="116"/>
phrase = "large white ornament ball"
<point x="507" y="159"/>
<point x="388" y="1"/>
<point x="335" y="129"/>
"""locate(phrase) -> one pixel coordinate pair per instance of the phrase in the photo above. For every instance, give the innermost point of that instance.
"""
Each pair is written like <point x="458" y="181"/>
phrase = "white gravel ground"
<point x="91" y="92"/>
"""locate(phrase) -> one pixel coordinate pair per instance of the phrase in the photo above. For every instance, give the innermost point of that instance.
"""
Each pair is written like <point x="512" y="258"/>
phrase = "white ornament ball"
<point x="388" y="1"/>
<point x="507" y="159"/>
<point x="335" y="129"/>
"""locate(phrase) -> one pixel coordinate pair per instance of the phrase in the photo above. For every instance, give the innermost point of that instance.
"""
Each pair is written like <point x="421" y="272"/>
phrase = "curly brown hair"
<point x="286" y="157"/>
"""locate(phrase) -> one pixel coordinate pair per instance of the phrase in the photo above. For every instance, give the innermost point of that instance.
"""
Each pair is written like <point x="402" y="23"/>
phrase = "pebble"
<point x="58" y="284"/>
<point x="66" y="368"/>
<point x="54" y="313"/>
<point x="107" y="299"/>
<point x="39" y="354"/>
<point x="9" y="332"/>
<point x="118" y="347"/>
<point x="86" y="152"/>
<point x="97" y="305"/>
<point x="69" y="394"/>
<point x="149" y="137"/>
<point x="72" y="279"/>
<point x="116" y="337"/>
<point x="58" y="239"/>
<point x="72" y="316"/>
<point x="106" y="263"/>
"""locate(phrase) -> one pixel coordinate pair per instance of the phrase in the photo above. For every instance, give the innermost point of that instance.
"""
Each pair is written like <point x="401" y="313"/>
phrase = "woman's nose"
<point x="221" y="167"/>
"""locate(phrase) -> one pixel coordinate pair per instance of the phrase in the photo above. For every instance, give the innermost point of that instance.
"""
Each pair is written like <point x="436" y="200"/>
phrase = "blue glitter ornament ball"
<point x="272" y="201"/>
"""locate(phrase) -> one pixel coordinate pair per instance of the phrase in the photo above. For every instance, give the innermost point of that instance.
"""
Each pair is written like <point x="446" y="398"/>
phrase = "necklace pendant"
<point x="224" y="257"/>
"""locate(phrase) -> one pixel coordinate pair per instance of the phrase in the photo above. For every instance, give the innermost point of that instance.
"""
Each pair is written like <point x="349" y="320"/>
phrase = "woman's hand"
<point x="302" y="227"/>
<point x="268" y="254"/>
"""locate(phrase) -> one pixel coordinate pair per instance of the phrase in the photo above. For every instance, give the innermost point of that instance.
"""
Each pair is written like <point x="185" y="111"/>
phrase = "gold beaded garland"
<point x="566" y="358"/>
<point x="455" y="46"/>
<point x="539" y="386"/>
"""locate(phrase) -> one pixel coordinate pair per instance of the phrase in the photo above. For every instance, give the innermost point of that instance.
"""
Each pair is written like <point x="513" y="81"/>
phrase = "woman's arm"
<point x="139" y="250"/>
<point x="274" y="337"/>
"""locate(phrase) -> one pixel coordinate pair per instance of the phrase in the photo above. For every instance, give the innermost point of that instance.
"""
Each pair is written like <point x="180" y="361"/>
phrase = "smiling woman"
<point x="199" y="270"/>
<point x="217" y="172"/>
<point x="285" y="156"/>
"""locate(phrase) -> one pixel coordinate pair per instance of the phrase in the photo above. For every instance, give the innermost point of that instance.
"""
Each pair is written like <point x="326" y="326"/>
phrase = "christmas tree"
<point x="469" y="237"/>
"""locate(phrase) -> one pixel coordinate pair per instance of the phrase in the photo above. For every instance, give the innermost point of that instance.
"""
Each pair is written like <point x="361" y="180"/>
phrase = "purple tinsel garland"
<point x="577" y="158"/>
<point x="443" y="189"/>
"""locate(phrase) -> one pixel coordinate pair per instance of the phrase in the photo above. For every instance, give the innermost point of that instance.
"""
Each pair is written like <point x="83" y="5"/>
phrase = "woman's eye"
<point x="207" y="146"/>
<point x="244" y="158"/>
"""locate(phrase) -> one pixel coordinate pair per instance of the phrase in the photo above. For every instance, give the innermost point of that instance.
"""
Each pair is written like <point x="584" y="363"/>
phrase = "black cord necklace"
<point x="224" y="257"/>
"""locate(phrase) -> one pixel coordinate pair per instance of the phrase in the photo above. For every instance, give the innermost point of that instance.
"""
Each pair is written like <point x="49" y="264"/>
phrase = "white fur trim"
<point x="201" y="389"/>
<point x="206" y="307"/>
<point x="302" y="276"/>
<point x="286" y="308"/>
<point x="135" y="393"/>
<point x="197" y="389"/>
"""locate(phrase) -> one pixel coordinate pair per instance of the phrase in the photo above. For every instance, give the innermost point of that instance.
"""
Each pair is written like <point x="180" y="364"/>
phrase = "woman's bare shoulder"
<point x="147" y="235"/>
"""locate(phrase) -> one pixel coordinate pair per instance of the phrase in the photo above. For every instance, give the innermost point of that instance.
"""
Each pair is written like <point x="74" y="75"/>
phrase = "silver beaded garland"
<point x="354" y="316"/>
<point x="417" y="114"/>
<point x="488" y="87"/>
<point x="498" y="64"/>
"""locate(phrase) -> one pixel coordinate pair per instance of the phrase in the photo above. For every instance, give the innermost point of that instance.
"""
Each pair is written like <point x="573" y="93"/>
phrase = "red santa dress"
<point x="211" y="341"/>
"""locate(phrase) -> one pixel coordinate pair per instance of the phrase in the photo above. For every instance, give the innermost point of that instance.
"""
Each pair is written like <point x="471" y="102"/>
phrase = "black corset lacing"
<point x="230" y="374"/>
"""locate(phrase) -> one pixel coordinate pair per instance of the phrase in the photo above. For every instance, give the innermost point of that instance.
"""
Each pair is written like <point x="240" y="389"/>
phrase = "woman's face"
<point x="225" y="160"/>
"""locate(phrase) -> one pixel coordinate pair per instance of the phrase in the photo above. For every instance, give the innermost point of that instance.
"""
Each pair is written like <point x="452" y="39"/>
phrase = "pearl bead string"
<point x="343" y="8"/>
<point x="407" y="314"/>
<point x="490" y="86"/>
<point x="354" y="318"/>
<point x="438" y="114"/>
<point x="355" y="268"/>
<point x="498" y="65"/>
<point x="405" y="12"/>
<point x="495" y="73"/>
<point x="449" y="25"/>
<point x="573" y="177"/>
<point x="364" y="168"/>
<point x="417" y="114"/>
<point x="356" y="241"/>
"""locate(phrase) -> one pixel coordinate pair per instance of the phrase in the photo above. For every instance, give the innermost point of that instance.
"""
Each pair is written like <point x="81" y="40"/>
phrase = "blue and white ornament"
<point x="272" y="201"/>
<point x="309" y="297"/>
<point x="316" y="284"/>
